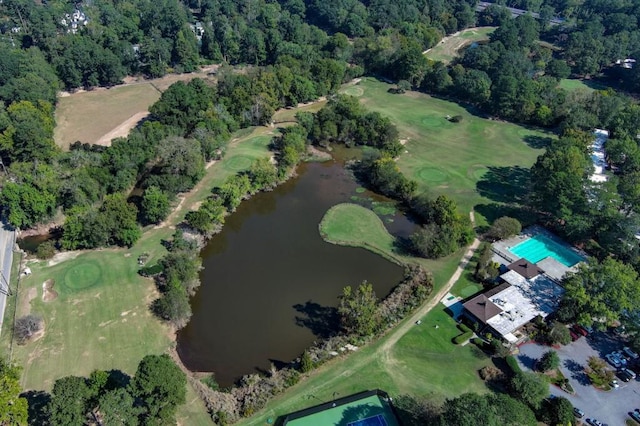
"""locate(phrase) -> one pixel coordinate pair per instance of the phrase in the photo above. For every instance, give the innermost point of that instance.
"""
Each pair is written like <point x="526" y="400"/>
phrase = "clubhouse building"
<point x="532" y="264"/>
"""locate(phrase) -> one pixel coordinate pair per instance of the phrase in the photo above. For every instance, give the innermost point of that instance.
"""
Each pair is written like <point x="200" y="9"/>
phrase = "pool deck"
<point x="552" y="267"/>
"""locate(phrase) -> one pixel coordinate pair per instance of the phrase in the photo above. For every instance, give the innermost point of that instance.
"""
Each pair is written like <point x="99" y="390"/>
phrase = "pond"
<point x="270" y="283"/>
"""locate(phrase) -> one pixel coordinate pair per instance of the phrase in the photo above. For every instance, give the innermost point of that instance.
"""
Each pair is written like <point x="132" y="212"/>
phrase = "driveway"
<point x="609" y="407"/>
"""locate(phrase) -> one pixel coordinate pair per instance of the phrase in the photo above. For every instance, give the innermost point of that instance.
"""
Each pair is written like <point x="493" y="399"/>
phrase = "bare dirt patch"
<point x="61" y="257"/>
<point x="122" y="130"/>
<point x="48" y="293"/>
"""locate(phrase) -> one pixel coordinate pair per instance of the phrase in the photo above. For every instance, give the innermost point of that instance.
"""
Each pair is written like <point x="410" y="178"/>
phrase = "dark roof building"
<point x="481" y="307"/>
<point x="525" y="268"/>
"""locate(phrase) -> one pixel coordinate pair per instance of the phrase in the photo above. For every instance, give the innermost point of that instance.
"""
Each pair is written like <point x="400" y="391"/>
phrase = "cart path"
<point x="392" y="339"/>
<point x="384" y="352"/>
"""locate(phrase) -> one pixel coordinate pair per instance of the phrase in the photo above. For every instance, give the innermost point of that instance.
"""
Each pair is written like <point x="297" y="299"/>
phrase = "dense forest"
<point x="299" y="51"/>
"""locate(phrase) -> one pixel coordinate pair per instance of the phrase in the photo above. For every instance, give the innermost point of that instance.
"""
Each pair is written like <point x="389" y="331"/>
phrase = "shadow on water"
<point x="270" y="283"/>
<point x="323" y="321"/>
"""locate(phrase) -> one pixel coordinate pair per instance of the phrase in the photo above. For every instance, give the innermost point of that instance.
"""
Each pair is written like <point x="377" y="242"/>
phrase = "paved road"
<point x="609" y="407"/>
<point x="517" y="12"/>
<point x="7" y="241"/>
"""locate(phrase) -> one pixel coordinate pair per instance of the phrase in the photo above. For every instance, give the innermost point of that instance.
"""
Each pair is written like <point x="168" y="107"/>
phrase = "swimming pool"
<point x="540" y="246"/>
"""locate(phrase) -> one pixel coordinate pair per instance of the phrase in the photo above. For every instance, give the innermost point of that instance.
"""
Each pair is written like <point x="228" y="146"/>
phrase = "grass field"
<point x="423" y="363"/>
<point x="99" y="115"/>
<point x="477" y="162"/>
<point x="448" y="48"/>
<point x="584" y="85"/>
<point x="100" y="318"/>
<point x="353" y="225"/>
<point x="87" y="116"/>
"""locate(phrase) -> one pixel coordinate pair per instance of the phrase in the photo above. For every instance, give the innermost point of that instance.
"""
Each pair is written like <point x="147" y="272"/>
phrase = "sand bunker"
<point x="48" y="293"/>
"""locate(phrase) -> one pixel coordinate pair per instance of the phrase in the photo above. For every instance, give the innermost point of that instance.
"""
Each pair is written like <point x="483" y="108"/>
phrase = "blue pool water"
<point x="540" y="246"/>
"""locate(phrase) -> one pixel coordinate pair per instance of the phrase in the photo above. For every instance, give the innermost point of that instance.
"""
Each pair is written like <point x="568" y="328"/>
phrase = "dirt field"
<point x="449" y="46"/>
<point x="99" y="115"/>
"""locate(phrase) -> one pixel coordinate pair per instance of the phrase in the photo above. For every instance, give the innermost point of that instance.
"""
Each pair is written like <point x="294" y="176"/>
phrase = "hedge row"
<point x="463" y="337"/>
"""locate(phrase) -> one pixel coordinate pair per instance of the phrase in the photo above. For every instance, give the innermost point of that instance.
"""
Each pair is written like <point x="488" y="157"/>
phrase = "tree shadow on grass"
<point x="494" y="211"/>
<point x="505" y="184"/>
<point x="37" y="402"/>
<point x="537" y="142"/>
<point x="323" y="321"/>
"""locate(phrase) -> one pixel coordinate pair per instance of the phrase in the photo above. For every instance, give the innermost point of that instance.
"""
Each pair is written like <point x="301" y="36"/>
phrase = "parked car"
<point x="577" y="328"/>
<point x="578" y="412"/>
<point x="594" y="422"/>
<point x="614" y="384"/>
<point x="630" y="373"/>
<point x="620" y="356"/>
<point x="635" y="415"/>
<point x="574" y="336"/>
<point x="613" y="360"/>
<point x="624" y="375"/>
<point x="630" y="353"/>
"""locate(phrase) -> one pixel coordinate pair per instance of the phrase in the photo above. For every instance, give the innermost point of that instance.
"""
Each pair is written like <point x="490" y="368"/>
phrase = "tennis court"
<point x="371" y="421"/>
<point x="369" y="408"/>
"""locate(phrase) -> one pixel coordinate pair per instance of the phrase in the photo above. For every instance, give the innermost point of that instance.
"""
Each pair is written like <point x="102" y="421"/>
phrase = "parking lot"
<point x="610" y="407"/>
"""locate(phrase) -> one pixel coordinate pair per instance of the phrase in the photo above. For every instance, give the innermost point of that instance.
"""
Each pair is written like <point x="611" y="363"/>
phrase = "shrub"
<point x="464" y="328"/>
<point x="46" y="250"/>
<point x="150" y="271"/>
<point x="549" y="361"/>
<point x="504" y="227"/>
<point x="306" y="363"/>
<point x="211" y="382"/>
<point x="462" y="337"/>
<point x="491" y="373"/>
<point x="26" y="327"/>
<point x="513" y="364"/>
<point x="498" y="348"/>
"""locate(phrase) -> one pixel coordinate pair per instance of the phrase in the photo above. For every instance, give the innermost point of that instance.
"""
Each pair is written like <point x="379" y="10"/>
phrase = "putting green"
<point x="354" y="91"/>
<point x="238" y="163"/>
<point x="434" y="121"/>
<point x="83" y="275"/>
<point x="432" y="175"/>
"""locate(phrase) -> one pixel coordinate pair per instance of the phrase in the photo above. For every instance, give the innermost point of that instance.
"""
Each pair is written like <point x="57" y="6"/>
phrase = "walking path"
<point x="403" y="329"/>
<point x="7" y="241"/>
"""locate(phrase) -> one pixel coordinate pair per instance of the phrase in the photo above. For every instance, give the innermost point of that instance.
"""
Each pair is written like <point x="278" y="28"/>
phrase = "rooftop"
<point x="523" y="300"/>
<point x="525" y="268"/>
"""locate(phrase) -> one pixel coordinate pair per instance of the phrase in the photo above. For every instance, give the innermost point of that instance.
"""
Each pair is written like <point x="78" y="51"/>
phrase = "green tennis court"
<point x="371" y="408"/>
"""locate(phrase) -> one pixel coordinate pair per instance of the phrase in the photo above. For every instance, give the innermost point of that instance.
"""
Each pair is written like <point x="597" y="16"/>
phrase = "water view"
<point x="270" y="282"/>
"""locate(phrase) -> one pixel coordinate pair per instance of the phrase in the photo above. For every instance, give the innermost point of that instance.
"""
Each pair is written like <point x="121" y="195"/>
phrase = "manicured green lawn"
<point x="100" y="318"/>
<point x="476" y="162"/>
<point x="585" y="85"/>
<point x="430" y="356"/>
<point x="353" y="225"/>
<point x="422" y="363"/>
